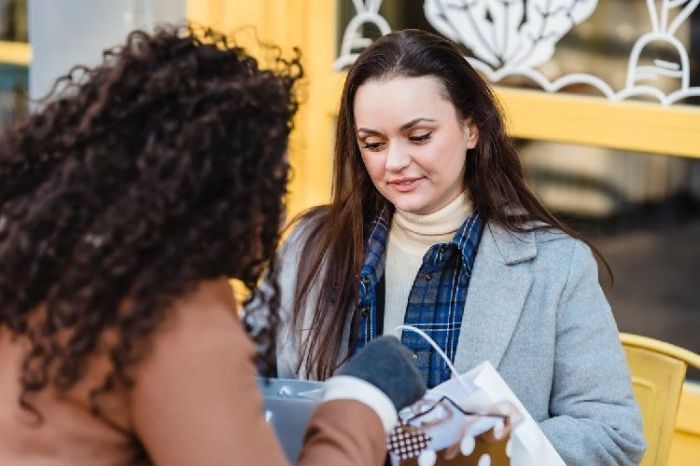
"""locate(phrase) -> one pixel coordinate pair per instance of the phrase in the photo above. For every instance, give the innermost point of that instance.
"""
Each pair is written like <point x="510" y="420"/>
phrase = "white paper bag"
<point x="529" y="446"/>
<point x="481" y="390"/>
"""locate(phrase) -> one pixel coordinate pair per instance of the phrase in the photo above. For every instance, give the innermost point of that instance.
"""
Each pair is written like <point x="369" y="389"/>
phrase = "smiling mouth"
<point x="406" y="184"/>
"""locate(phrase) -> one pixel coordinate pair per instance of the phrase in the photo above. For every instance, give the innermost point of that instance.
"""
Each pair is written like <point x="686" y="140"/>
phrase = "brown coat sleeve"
<point x="344" y="433"/>
<point x="195" y="400"/>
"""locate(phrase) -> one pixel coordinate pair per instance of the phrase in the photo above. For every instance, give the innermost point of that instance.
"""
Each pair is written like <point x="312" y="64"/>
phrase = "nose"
<point x="397" y="158"/>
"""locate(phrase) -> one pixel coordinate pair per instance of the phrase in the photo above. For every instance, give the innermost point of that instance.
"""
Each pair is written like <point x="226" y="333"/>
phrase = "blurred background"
<point x="626" y="173"/>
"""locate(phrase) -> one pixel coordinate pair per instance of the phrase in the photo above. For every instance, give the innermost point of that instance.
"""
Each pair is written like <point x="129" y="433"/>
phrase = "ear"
<point x="471" y="131"/>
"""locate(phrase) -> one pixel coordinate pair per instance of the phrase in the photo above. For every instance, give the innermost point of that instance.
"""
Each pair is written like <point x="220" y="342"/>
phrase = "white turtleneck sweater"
<point x="410" y="237"/>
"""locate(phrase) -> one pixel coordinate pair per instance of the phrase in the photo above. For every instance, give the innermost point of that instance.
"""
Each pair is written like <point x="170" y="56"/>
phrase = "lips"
<point x="405" y="185"/>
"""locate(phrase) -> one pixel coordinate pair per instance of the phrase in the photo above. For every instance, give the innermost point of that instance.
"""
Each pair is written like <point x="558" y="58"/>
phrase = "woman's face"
<point x="413" y="141"/>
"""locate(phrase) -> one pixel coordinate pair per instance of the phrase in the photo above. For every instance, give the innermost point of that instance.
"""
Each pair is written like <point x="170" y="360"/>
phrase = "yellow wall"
<point x="15" y="53"/>
<point x="291" y="23"/>
<point x="310" y="24"/>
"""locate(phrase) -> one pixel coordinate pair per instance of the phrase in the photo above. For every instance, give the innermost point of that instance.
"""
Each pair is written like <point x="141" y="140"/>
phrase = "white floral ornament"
<point x="514" y="37"/>
<point x="663" y="31"/>
<point x="528" y="35"/>
<point x="366" y="12"/>
<point x="500" y="33"/>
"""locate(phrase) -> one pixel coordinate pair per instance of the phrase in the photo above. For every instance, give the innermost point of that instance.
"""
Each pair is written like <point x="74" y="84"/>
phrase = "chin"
<point x="412" y="206"/>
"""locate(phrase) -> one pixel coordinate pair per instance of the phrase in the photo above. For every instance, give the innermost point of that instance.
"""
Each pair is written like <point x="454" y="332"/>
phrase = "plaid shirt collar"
<point x="447" y="293"/>
<point x="373" y="267"/>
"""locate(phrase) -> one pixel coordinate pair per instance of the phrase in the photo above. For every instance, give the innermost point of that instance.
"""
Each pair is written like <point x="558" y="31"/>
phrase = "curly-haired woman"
<point x="126" y="204"/>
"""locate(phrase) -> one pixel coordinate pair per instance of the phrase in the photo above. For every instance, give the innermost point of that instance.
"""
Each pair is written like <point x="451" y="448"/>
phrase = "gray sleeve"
<point x="255" y="313"/>
<point x="595" y="419"/>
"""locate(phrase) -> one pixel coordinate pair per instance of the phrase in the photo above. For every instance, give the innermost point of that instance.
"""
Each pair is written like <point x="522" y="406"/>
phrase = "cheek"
<point x="374" y="166"/>
<point x="437" y="157"/>
<point x="444" y="159"/>
<point x="455" y="153"/>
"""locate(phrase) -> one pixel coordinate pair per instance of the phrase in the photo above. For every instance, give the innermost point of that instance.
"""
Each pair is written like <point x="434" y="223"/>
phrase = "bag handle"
<point x="421" y="333"/>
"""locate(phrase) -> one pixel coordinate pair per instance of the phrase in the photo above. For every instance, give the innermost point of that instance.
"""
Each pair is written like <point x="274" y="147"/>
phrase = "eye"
<point x="371" y="145"/>
<point x="420" y="138"/>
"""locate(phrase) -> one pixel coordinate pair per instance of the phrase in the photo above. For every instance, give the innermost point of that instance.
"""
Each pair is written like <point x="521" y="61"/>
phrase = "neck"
<point x="415" y="233"/>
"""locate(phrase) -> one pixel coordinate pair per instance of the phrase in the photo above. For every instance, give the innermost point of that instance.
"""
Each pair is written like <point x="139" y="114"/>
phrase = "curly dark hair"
<point x="161" y="167"/>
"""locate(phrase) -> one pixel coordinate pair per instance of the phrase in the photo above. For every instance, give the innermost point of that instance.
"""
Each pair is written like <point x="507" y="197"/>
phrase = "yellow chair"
<point x="658" y="372"/>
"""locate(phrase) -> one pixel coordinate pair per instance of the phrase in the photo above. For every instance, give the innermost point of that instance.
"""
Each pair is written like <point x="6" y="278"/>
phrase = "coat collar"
<point x="514" y="247"/>
<point x="498" y="290"/>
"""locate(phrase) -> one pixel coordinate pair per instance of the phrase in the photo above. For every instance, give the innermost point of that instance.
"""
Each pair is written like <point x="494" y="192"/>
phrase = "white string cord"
<point x="411" y="328"/>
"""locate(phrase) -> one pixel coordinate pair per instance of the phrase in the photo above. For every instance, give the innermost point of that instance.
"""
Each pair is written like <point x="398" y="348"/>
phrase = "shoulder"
<point x="569" y="262"/>
<point x="299" y="231"/>
<point x="546" y="246"/>
<point x="210" y="302"/>
<point x="200" y="345"/>
<point x="552" y="241"/>
<point x="554" y="245"/>
<point x="201" y="327"/>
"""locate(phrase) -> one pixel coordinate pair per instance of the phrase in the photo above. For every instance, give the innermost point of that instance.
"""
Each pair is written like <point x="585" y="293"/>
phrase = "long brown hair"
<point x="493" y="179"/>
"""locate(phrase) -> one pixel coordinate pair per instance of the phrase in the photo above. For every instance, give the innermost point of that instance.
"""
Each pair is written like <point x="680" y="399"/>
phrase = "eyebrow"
<point x="413" y="123"/>
<point x="403" y="127"/>
<point x="368" y="131"/>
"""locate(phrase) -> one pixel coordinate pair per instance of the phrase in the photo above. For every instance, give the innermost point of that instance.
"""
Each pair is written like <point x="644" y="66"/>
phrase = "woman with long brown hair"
<point x="127" y="203"/>
<point x="432" y="224"/>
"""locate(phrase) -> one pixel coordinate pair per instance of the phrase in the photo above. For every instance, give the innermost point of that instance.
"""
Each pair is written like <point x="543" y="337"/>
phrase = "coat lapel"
<point x="498" y="289"/>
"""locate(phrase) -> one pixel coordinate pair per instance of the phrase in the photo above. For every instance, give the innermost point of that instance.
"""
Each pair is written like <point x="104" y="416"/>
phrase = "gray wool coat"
<point x="536" y="311"/>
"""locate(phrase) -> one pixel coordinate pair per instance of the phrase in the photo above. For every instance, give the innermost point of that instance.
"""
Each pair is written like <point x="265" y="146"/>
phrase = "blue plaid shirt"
<point x="436" y="301"/>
